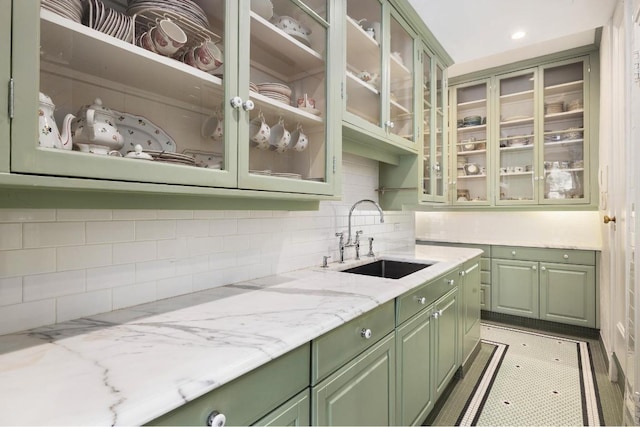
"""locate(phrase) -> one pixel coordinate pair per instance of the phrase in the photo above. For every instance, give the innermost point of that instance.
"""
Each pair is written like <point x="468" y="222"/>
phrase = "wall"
<point x="57" y="265"/>
<point x="580" y="229"/>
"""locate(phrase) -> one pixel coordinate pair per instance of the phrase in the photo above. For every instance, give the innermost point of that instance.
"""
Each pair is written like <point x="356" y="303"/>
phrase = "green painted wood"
<point x="295" y="412"/>
<point x="485" y="264"/>
<point x="249" y="397"/>
<point x="563" y="256"/>
<point x="485" y="297"/>
<point x="401" y="181"/>
<point x="333" y="349"/>
<point x="514" y="287"/>
<point x="568" y="294"/>
<point x="5" y="75"/>
<point x="360" y="393"/>
<point x="446" y="341"/>
<point x="485" y="276"/>
<point x="470" y="307"/>
<point x="414" y="384"/>
<point x="409" y="304"/>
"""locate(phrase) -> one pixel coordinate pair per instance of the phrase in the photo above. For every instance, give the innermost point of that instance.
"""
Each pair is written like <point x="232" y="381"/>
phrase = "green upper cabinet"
<point x="5" y="73"/>
<point x="201" y="109"/>
<point x="380" y="77"/>
<point x="536" y="140"/>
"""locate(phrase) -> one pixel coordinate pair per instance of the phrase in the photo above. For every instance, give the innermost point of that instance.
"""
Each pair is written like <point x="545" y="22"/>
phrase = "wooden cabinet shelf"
<point x="518" y="96"/>
<point x="565" y="115"/>
<point x="366" y="50"/>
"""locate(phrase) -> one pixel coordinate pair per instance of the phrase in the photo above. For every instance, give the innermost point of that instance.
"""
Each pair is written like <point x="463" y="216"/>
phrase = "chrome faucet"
<point x="351" y="213"/>
<point x="356" y="242"/>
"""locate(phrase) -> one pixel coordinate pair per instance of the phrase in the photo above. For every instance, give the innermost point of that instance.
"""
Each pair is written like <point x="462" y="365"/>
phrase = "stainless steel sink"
<point x="387" y="268"/>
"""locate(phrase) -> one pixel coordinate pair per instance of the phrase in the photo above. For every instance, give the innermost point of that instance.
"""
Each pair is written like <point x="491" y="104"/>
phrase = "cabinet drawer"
<point x="337" y="347"/>
<point x="412" y="302"/>
<point x="485" y="264"/>
<point x="250" y="397"/>
<point x="564" y="256"/>
<point x="485" y="277"/>
<point x="485" y="297"/>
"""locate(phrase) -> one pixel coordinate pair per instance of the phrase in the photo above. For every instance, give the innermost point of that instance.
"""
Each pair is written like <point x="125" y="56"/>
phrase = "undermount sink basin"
<point x="387" y="269"/>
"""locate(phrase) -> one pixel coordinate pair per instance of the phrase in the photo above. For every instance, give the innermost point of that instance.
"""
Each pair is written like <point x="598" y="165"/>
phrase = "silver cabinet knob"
<point x="565" y="256"/>
<point x="389" y="124"/>
<point x="513" y="253"/>
<point x="366" y="333"/>
<point x="216" y="419"/>
<point x="462" y="272"/>
<point x="533" y="267"/>
<point x="236" y="102"/>
<point x="248" y="105"/>
<point x="421" y="300"/>
<point x="437" y="314"/>
<point x="450" y="282"/>
<point x="543" y="268"/>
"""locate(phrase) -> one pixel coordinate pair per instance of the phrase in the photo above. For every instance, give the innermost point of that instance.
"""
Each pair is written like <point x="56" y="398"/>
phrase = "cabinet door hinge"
<point x="342" y="90"/>
<point x="334" y="165"/>
<point x="11" y="98"/>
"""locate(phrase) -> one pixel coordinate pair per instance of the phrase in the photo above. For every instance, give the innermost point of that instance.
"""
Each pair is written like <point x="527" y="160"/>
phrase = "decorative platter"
<point x="140" y="130"/>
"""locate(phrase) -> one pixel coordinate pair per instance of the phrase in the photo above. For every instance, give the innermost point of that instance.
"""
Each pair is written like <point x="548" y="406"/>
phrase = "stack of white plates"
<point x="108" y="21"/>
<point x="554" y="107"/>
<point x="260" y="172"/>
<point x="183" y="8"/>
<point x="287" y="175"/>
<point x="70" y="9"/>
<point x="276" y="91"/>
<point x="253" y="87"/>
<point x="164" y="156"/>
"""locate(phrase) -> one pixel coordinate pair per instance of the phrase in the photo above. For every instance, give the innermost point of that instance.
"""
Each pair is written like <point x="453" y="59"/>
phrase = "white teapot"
<point x="48" y="133"/>
<point x="94" y="130"/>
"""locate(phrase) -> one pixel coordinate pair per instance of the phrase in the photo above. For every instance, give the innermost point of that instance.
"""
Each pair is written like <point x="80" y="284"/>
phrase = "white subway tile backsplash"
<point x="82" y="262"/>
<point x="50" y="234"/>
<point x="111" y="276"/>
<point x="27" y="261"/>
<point x="110" y="231"/>
<point x="124" y="253"/>
<point x="127" y="296"/>
<point x="88" y="256"/>
<point x="51" y="285"/>
<point x="18" y="317"/>
<point x="27" y="215"/>
<point x="155" y="230"/>
<point x="80" y="305"/>
<point x="10" y="236"/>
<point x="10" y="291"/>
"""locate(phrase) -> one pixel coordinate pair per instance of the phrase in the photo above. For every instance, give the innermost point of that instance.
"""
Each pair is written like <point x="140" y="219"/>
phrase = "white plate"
<point x="139" y="130"/>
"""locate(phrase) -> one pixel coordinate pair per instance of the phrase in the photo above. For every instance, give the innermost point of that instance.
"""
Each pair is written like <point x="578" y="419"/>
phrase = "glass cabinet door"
<point x="516" y="159"/>
<point x="128" y="91"/>
<point x="401" y="81"/>
<point x="564" y="157"/>
<point x="284" y="145"/>
<point x="469" y="141"/>
<point x="363" y="35"/>
<point x="440" y="149"/>
<point x="431" y="167"/>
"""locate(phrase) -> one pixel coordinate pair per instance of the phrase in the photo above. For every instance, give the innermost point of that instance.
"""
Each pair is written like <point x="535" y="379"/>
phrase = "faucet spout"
<point x="351" y="212"/>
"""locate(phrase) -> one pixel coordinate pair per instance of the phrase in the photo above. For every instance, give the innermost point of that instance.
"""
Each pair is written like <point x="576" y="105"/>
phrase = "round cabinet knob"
<point x="450" y="282"/>
<point x="389" y="124"/>
<point x="513" y="253"/>
<point x="543" y="268"/>
<point x="366" y="333"/>
<point x="565" y="256"/>
<point x="462" y="273"/>
<point x="533" y="267"/>
<point x="436" y="315"/>
<point x="608" y="219"/>
<point x="236" y="102"/>
<point x="216" y="419"/>
<point x="421" y="300"/>
<point x="248" y="105"/>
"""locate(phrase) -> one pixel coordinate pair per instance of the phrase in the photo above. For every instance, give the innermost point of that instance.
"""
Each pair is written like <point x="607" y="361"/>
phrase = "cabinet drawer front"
<point x="295" y="412"/>
<point x="411" y="303"/>
<point x="485" y="277"/>
<point x="337" y="347"/>
<point x="250" y="397"/>
<point x="485" y="264"/>
<point x="485" y="297"/>
<point x="565" y="256"/>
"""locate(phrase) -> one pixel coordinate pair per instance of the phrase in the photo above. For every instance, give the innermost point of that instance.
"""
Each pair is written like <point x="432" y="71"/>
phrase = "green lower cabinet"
<point x="414" y="396"/>
<point x="294" y="412"/>
<point x="568" y="294"/>
<point x="485" y="297"/>
<point x="515" y="287"/>
<point x="360" y="393"/>
<point x="469" y="289"/>
<point x="445" y="319"/>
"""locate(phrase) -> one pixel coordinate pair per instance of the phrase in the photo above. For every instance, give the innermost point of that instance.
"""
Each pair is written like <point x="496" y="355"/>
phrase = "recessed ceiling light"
<point x="518" y="35"/>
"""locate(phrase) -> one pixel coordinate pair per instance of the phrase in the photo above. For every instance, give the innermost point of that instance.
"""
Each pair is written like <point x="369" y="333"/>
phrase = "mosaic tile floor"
<point x="534" y="379"/>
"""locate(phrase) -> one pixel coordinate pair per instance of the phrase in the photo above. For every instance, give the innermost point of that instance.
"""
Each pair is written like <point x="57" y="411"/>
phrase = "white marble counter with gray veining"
<point x="133" y="365"/>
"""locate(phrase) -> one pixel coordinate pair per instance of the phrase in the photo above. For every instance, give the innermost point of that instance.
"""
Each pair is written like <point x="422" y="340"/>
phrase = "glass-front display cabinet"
<point x="434" y="148"/>
<point x="200" y="93"/>
<point x="380" y="81"/>
<point x="564" y="153"/>
<point x="515" y="166"/>
<point x="470" y="144"/>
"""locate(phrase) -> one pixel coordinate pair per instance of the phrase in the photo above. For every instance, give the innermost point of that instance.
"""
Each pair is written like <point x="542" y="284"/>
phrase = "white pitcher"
<point x="48" y="133"/>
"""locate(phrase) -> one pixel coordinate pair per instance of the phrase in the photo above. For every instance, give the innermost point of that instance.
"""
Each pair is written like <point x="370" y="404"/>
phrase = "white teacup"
<point x="299" y="140"/>
<point x="260" y="132"/>
<point x="213" y="127"/>
<point x="147" y="43"/>
<point x="208" y="56"/>
<point x="167" y="37"/>
<point x="280" y="137"/>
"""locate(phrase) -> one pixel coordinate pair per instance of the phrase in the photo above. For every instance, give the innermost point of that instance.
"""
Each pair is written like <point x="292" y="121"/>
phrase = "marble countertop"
<point x="130" y="366"/>
<point x="531" y="244"/>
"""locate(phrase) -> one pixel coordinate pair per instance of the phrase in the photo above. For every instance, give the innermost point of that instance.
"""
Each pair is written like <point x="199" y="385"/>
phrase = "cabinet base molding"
<point x="467" y="363"/>
<point x="542" y="325"/>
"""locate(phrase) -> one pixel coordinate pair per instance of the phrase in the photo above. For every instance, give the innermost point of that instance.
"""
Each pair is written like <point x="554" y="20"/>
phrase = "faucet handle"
<point x="324" y="261"/>
<point x="358" y="233"/>
<point x="370" y="247"/>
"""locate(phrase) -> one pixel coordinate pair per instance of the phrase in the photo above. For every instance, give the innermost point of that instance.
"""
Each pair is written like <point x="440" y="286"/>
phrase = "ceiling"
<point x="477" y="34"/>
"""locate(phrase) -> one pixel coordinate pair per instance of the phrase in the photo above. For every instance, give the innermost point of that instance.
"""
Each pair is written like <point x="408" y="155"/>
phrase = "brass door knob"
<point x="608" y="219"/>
